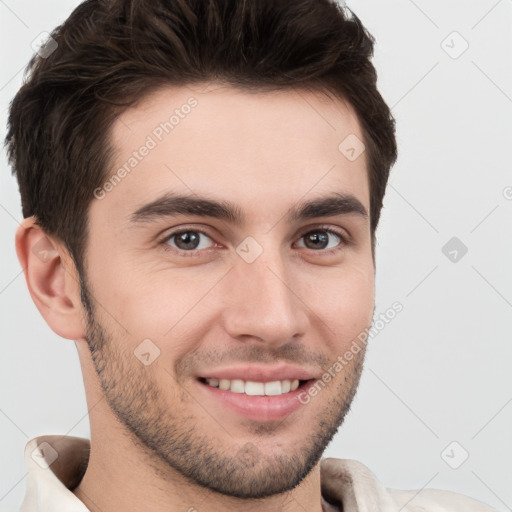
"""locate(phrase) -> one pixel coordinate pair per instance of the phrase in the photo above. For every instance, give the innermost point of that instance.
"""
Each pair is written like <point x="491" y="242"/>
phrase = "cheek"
<point x="345" y="302"/>
<point x="137" y="302"/>
<point x="361" y="288"/>
<point x="170" y="307"/>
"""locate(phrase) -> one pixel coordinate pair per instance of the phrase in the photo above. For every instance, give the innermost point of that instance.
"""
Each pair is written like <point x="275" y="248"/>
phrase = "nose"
<point x="265" y="302"/>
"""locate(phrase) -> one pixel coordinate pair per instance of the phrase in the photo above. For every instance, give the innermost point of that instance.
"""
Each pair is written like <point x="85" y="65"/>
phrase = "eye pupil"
<point x="315" y="237"/>
<point x="190" y="240"/>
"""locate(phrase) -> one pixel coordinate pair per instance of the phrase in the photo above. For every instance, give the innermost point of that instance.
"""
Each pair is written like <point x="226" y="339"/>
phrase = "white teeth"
<point x="253" y="388"/>
<point x="224" y="384"/>
<point x="237" y="386"/>
<point x="274" y="388"/>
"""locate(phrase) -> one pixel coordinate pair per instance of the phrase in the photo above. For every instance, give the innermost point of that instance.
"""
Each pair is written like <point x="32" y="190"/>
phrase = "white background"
<point x="440" y="371"/>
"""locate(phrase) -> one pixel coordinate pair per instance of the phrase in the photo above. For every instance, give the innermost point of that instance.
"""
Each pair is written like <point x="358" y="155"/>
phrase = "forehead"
<point x="264" y="150"/>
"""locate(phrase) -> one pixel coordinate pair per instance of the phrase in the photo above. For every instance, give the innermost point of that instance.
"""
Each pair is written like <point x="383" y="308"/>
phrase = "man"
<point x="201" y="184"/>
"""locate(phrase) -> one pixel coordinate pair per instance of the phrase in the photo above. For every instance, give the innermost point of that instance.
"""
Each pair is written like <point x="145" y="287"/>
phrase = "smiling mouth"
<point x="253" y="388"/>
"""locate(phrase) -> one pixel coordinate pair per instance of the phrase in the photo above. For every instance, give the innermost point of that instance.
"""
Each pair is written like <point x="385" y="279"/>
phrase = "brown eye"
<point x="322" y="239"/>
<point x="189" y="240"/>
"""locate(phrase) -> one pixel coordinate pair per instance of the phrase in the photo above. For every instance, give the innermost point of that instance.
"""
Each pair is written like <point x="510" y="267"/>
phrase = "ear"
<point x="52" y="279"/>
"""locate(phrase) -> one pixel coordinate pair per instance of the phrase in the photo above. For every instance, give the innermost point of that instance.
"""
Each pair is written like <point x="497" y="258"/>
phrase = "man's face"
<point x="230" y="298"/>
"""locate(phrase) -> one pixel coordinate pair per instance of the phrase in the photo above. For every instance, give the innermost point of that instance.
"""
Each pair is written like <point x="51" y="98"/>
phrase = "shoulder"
<point x="354" y="484"/>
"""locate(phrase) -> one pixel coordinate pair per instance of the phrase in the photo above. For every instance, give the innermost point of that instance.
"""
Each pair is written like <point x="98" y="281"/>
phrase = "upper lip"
<point x="260" y="373"/>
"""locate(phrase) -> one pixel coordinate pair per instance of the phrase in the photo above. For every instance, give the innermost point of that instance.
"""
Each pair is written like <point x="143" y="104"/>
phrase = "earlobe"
<point x="51" y="279"/>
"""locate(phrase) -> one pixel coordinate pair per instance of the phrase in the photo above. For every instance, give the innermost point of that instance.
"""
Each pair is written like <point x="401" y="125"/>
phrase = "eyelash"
<point x="344" y="241"/>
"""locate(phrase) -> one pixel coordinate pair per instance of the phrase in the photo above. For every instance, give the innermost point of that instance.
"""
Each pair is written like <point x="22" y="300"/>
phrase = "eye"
<point x="188" y="240"/>
<point x="323" y="239"/>
<point x="191" y="242"/>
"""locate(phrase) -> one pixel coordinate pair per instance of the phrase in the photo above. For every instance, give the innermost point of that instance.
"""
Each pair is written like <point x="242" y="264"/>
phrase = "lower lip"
<point x="259" y="408"/>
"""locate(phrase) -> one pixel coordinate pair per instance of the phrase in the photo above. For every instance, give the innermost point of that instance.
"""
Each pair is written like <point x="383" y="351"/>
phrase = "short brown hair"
<point x="112" y="53"/>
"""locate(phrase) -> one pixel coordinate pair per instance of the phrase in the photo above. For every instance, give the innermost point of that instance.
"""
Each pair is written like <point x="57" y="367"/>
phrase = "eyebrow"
<point x="172" y="205"/>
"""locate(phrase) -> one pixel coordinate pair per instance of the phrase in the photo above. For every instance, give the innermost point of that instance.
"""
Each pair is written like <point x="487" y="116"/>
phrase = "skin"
<point x="153" y="427"/>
